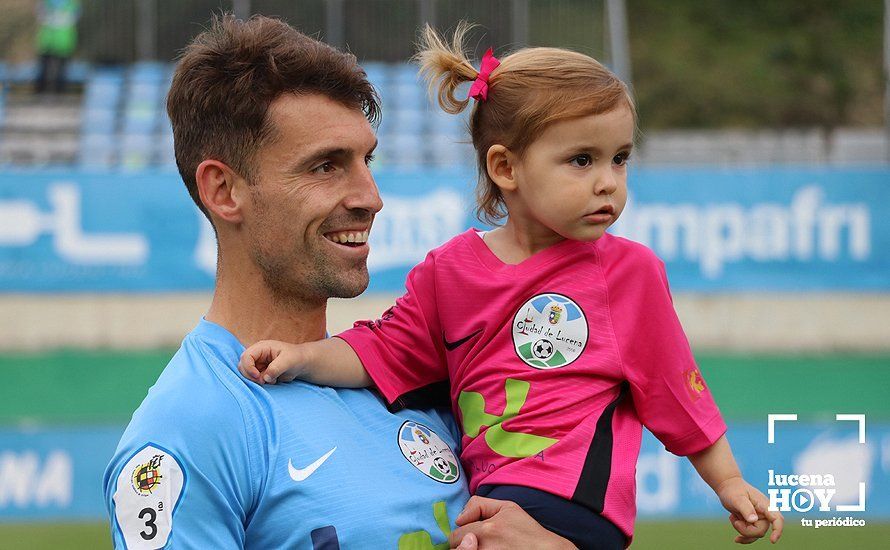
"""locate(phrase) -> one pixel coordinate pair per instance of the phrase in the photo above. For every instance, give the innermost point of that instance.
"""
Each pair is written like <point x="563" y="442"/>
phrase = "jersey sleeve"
<point x="403" y="351"/>
<point x="181" y="479"/>
<point x="668" y="390"/>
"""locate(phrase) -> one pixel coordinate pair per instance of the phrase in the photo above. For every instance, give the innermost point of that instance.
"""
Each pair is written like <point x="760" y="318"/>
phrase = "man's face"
<point x="313" y="190"/>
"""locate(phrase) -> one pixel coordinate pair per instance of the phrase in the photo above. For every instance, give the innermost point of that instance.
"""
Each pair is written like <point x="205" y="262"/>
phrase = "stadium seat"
<point x="447" y="125"/>
<point x="137" y="151"/>
<point x="405" y="151"/>
<point x="104" y="88"/>
<point x="97" y="150"/>
<point x="165" y="155"/>
<point x="448" y="152"/>
<point x="78" y="71"/>
<point x="22" y="73"/>
<point x="98" y="121"/>
<point x="409" y="122"/>
<point x="149" y="72"/>
<point x="377" y="74"/>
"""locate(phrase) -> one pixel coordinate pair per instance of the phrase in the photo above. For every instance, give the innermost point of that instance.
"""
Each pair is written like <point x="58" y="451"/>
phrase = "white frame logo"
<point x="804" y="498"/>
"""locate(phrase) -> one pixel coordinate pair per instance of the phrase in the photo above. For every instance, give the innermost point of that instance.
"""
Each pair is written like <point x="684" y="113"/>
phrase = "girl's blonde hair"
<point x="532" y="88"/>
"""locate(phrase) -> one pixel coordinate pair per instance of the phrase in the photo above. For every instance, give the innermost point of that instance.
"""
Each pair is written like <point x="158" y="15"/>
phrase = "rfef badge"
<point x="148" y="489"/>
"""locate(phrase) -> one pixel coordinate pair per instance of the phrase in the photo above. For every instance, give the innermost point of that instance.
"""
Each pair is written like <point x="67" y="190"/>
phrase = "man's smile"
<point x="354" y="239"/>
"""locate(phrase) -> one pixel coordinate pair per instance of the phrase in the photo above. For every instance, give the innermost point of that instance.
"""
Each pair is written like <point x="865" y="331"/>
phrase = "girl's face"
<point x="572" y="180"/>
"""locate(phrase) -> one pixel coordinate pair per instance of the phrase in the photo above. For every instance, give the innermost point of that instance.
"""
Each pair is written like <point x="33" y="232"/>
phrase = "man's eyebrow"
<point x="326" y="153"/>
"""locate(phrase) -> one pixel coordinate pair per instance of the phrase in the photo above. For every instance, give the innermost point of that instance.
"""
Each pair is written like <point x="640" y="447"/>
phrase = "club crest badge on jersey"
<point x="148" y="490"/>
<point x="427" y="452"/>
<point x="549" y="331"/>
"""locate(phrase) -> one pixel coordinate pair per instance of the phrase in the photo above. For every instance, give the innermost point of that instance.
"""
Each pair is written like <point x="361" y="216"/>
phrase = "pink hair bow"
<point x="479" y="89"/>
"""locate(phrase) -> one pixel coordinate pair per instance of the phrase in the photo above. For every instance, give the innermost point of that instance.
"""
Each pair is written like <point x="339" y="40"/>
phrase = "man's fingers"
<point x="745" y="540"/>
<point x="469" y="542"/>
<point x="461" y="533"/>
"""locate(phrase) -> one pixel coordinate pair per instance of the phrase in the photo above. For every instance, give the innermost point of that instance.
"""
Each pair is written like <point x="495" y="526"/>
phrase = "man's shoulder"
<point x="197" y="398"/>
<point x="197" y="384"/>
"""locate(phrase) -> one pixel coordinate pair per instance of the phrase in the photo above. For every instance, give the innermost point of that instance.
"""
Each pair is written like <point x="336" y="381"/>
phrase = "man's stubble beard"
<point x="313" y="278"/>
<point x="299" y="277"/>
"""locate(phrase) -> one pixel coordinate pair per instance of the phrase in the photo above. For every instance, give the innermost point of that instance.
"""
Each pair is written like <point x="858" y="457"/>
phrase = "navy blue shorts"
<point x="585" y="528"/>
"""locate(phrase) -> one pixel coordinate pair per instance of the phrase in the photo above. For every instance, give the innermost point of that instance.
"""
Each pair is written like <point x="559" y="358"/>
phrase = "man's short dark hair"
<point x="228" y="76"/>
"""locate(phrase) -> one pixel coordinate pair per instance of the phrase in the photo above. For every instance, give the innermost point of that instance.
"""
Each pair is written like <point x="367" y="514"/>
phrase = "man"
<point x="273" y="135"/>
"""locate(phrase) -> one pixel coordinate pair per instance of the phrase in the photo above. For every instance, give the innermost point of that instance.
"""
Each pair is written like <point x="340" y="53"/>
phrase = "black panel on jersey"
<point x="591" y="489"/>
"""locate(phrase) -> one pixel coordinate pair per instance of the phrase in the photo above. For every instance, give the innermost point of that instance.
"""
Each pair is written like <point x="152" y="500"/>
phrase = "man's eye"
<point x="621" y="158"/>
<point x="369" y="159"/>
<point x="325" y="168"/>
<point x="581" y="161"/>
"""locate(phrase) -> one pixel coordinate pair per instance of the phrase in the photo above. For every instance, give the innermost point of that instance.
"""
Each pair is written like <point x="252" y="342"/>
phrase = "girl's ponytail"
<point x="445" y="66"/>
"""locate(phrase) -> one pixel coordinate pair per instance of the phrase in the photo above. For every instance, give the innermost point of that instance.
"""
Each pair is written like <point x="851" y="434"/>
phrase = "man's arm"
<point x="490" y="523"/>
<point x="181" y="476"/>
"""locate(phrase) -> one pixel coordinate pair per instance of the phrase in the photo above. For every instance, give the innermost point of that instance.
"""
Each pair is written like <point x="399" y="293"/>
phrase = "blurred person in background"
<point x="56" y="42"/>
<point x="273" y="136"/>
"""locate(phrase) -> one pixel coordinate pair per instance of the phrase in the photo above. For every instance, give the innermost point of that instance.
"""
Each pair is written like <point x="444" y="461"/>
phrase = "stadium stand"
<point x="118" y="121"/>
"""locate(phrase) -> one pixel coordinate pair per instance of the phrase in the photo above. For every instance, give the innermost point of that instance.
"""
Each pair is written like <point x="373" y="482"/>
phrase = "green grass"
<point x="667" y="535"/>
<point x="714" y="535"/>
<point x="39" y="536"/>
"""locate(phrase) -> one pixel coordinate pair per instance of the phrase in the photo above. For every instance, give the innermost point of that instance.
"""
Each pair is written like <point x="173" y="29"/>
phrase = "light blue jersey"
<point x="210" y="460"/>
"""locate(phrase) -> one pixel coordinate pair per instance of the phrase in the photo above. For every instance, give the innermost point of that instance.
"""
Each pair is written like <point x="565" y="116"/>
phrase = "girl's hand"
<point x="749" y="511"/>
<point x="271" y="361"/>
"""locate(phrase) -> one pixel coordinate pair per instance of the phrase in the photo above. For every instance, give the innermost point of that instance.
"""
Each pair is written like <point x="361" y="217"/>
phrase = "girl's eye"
<point x="581" y="161"/>
<point x="621" y="158"/>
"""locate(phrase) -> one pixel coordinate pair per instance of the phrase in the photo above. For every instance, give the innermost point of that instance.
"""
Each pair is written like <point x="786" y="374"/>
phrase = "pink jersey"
<point x="554" y="364"/>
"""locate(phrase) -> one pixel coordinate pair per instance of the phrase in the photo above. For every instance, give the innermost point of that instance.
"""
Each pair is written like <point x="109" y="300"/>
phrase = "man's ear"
<point x="221" y="190"/>
<point x="501" y="166"/>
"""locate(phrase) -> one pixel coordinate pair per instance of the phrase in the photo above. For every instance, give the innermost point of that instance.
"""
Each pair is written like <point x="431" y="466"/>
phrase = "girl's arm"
<point x="749" y="508"/>
<point x="328" y="362"/>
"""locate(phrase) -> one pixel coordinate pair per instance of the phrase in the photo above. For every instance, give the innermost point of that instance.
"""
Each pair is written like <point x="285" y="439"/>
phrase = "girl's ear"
<point x="501" y="166"/>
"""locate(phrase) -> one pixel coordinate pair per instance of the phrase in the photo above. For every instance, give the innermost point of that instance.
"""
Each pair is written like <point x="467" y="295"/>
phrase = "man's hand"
<point x="489" y="524"/>
<point x="749" y="511"/>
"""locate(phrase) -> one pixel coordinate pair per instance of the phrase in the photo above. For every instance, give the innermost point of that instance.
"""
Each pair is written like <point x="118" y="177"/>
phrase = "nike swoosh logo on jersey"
<point x="451" y="346"/>
<point x="298" y="474"/>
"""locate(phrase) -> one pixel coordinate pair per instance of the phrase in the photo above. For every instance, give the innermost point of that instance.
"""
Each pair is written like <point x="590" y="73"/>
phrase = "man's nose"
<point x="364" y="194"/>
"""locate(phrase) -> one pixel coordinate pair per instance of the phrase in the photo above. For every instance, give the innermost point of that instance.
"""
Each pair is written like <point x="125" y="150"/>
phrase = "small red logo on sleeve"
<point x="695" y="384"/>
